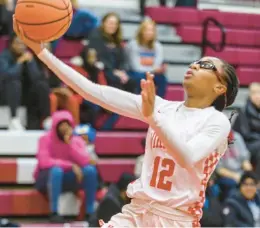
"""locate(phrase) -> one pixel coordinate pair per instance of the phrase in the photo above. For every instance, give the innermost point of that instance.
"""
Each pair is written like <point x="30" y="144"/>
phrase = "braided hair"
<point x="229" y="97"/>
<point x="232" y="81"/>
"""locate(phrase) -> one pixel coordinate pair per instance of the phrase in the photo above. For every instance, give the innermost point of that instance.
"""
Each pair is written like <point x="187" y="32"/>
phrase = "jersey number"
<point x="169" y="165"/>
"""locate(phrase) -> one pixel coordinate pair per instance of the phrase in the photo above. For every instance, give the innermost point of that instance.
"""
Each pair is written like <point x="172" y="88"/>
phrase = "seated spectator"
<point x="113" y="201"/>
<point x="212" y="209"/>
<point x="107" y="41"/>
<point x="91" y="64"/>
<point x="235" y="161"/>
<point x="23" y="83"/>
<point x="145" y="54"/>
<point x="248" y="124"/>
<point x="242" y="208"/>
<point x="64" y="165"/>
<point x="83" y="22"/>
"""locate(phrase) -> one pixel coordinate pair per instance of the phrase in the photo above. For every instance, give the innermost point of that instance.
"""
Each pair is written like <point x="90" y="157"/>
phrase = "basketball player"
<point x="184" y="143"/>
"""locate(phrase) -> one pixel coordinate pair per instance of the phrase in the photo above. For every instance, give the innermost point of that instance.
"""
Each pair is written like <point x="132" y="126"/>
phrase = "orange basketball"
<point x="44" y="20"/>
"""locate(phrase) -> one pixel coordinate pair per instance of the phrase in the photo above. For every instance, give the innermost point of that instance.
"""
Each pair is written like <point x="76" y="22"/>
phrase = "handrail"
<point x="205" y="42"/>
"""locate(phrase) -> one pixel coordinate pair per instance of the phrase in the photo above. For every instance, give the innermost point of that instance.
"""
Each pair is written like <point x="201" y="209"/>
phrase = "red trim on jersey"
<point x="209" y="166"/>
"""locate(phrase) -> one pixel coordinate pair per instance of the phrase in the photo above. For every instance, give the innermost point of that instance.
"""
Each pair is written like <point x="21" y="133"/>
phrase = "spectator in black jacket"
<point x="242" y="208"/>
<point x="248" y="124"/>
<point x="113" y="201"/>
<point x="107" y="41"/>
<point x="23" y="83"/>
<point x="212" y="209"/>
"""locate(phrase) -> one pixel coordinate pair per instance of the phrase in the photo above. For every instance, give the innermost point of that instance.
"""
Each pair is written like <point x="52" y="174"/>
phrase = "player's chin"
<point x="188" y="81"/>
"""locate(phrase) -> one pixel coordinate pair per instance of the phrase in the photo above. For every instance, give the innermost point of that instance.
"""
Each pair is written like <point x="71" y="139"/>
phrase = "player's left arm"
<point x="206" y="141"/>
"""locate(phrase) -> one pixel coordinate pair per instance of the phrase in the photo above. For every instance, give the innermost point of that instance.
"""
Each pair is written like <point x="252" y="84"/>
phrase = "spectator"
<point x="23" y="83"/>
<point x="145" y="54"/>
<point x="107" y="41"/>
<point x="113" y="201"/>
<point x="64" y="165"/>
<point x="212" y="209"/>
<point x="235" y="161"/>
<point x="83" y="22"/>
<point x="242" y="209"/>
<point x="91" y="64"/>
<point x="248" y="124"/>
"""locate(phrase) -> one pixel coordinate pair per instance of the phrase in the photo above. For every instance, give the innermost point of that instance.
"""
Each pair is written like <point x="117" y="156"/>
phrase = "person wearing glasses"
<point x="242" y="208"/>
<point x="184" y="142"/>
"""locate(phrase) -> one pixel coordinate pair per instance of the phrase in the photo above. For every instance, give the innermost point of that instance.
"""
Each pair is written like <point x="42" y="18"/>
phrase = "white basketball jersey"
<point x="162" y="179"/>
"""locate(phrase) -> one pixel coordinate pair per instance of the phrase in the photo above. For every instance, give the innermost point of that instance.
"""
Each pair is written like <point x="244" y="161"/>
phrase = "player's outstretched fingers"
<point x="150" y="79"/>
<point x="143" y="82"/>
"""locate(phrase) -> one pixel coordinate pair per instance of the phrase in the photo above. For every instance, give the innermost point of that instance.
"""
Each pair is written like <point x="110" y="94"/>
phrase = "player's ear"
<point x="220" y="89"/>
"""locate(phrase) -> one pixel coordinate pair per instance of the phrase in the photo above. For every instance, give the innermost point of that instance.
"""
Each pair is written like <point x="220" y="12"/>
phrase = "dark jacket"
<point x="248" y="125"/>
<point x="109" y="206"/>
<point x="27" y="73"/>
<point x="112" y="59"/>
<point x="236" y="212"/>
<point x="83" y="22"/>
<point x="212" y="210"/>
<point x="10" y="69"/>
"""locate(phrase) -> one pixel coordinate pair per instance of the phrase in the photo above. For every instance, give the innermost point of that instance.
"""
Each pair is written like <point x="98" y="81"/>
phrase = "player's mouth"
<point x="188" y="74"/>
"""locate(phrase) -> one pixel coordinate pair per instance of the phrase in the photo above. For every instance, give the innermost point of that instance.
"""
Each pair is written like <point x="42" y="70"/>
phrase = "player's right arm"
<point x="113" y="99"/>
<point x="110" y="98"/>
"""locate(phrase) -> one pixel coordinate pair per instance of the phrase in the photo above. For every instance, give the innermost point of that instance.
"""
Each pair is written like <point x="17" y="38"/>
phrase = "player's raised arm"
<point x="113" y="99"/>
<point x="188" y="153"/>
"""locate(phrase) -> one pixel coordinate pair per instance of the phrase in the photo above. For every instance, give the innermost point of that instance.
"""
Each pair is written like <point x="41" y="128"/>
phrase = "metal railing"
<point x="206" y="42"/>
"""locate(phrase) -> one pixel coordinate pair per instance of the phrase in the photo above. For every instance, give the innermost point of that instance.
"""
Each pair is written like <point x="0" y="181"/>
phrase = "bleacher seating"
<point x="18" y="171"/>
<point x="234" y="36"/>
<point x="242" y="35"/>
<point x="191" y="16"/>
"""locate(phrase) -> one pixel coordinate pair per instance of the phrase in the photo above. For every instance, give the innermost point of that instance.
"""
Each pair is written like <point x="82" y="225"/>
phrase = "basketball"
<point x="44" y="20"/>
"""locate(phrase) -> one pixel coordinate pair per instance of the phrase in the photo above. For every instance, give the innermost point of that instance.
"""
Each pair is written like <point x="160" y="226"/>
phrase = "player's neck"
<point x="194" y="102"/>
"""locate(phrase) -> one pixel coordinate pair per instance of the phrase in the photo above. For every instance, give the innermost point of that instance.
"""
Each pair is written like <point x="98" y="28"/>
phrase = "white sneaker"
<point x="15" y="125"/>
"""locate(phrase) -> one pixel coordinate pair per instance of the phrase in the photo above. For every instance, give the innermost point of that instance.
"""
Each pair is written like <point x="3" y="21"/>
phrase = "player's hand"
<point x="35" y="46"/>
<point x="78" y="172"/>
<point x="26" y="57"/>
<point x="148" y="95"/>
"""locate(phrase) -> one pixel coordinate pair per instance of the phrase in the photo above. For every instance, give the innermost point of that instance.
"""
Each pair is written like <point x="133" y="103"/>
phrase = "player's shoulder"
<point x="161" y="103"/>
<point x="219" y="120"/>
<point x="220" y="117"/>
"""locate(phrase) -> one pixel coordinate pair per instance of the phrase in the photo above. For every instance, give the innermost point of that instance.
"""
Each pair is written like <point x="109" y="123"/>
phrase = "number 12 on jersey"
<point x="158" y="177"/>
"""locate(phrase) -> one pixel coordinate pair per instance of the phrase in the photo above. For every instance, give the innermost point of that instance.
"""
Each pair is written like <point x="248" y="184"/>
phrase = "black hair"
<point x="248" y="175"/>
<point x="229" y="97"/>
<point x="124" y="180"/>
<point x="232" y="81"/>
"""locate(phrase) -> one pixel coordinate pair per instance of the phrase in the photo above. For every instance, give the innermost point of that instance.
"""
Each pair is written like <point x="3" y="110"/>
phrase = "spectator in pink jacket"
<point x="64" y="165"/>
